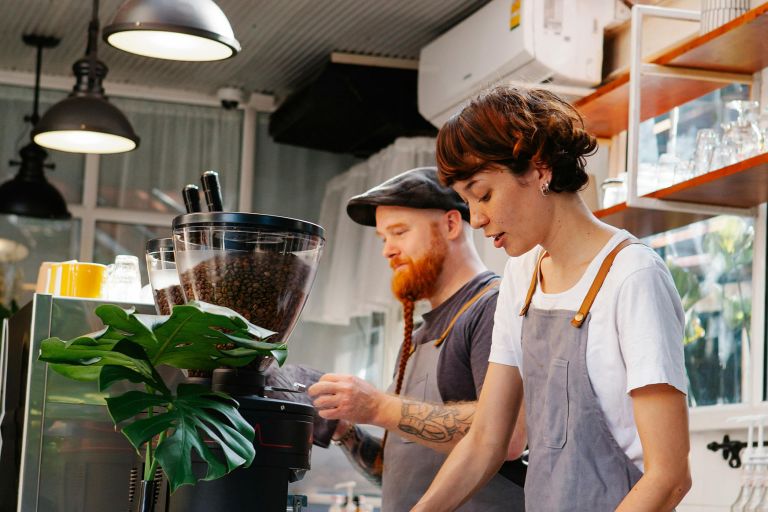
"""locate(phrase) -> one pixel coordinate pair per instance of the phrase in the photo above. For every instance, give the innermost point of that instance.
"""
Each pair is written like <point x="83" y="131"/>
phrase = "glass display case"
<point x="70" y="457"/>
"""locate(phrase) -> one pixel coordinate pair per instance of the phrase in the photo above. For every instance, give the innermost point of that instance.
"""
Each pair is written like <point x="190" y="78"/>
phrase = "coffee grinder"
<point x="261" y="266"/>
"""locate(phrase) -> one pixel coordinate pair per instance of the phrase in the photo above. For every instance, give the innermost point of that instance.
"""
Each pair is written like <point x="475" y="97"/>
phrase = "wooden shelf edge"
<point x="644" y="222"/>
<point x="594" y="100"/>
<point x="685" y="46"/>
<point x="721" y="178"/>
<point x="618" y="81"/>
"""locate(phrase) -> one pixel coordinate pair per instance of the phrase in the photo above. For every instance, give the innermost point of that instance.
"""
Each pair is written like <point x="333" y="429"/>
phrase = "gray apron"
<point x="409" y="467"/>
<point x="575" y="464"/>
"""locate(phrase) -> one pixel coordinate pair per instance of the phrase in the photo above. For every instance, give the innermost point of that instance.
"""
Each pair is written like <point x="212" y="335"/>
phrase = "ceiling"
<point x="285" y="42"/>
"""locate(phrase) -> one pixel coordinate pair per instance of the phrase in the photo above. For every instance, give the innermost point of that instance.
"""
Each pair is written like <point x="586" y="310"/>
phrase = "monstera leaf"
<point x="194" y="337"/>
<point x="190" y="420"/>
<point x="170" y="426"/>
<point x="190" y="337"/>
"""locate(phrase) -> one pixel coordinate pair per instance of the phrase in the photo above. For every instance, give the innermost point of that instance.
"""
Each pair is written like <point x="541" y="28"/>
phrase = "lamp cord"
<point x="92" y="49"/>
<point x="38" y="68"/>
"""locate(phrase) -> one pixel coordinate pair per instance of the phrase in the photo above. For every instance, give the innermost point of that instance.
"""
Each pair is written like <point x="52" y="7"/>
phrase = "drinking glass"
<point x="726" y="152"/>
<point x="707" y="140"/>
<point x="665" y="170"/>
<point x="745" y="132"/>
<point x="684" y="171"/>
<point x="646" y="178"/>
<point x="123" y="281"/>
<point x="614" y="190"/>
<point x="762" y="123"/>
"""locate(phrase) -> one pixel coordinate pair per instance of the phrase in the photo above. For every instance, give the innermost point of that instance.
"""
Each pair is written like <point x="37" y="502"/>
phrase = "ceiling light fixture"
<point x="29" y="193"/>
<point x="85" y="121"/>
<point x="187" y="30"/>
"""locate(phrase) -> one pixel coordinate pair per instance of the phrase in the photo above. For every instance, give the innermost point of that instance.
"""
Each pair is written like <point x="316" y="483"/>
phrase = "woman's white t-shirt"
<point x="635" y="334"/>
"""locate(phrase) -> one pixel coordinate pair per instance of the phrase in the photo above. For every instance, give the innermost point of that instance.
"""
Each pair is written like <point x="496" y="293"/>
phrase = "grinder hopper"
<point x="261" y="266"/>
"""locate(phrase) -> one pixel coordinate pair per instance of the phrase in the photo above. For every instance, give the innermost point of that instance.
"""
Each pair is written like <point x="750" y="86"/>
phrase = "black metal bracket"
<point x="731" y="449"/>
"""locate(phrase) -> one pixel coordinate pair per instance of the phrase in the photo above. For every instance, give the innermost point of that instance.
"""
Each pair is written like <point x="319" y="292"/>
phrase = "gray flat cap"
<point x="417" y="188"/>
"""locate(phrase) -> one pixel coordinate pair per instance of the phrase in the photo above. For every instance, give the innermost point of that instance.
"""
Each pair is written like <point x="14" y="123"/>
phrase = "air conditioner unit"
<point x="558" y="43"/>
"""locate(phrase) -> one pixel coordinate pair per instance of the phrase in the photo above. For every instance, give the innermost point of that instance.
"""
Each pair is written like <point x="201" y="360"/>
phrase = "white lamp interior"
<point x="82" y="141"/>
<point x="170" y="45"/>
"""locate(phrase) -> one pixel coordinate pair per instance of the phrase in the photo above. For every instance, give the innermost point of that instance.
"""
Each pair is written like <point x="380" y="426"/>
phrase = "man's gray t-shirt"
<point x="464" y="358"/>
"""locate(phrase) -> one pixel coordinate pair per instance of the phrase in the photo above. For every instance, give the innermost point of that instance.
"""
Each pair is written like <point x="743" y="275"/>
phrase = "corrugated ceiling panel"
<point x="284" y="42"/>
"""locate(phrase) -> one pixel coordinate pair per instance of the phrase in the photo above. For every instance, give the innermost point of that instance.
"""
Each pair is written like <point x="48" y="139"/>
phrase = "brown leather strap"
<point x="439" y="341"/>
<point x="534" y="281"/>
<point x="579" y="317"/>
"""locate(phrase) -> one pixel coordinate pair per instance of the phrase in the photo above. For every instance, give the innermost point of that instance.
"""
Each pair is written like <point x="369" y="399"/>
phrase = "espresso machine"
<point x="261" y="266"/>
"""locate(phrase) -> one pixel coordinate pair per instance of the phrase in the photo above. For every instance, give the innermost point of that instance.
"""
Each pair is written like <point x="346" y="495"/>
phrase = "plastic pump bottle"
<point x="339" y="504"/>
<point x="350" y="494"/>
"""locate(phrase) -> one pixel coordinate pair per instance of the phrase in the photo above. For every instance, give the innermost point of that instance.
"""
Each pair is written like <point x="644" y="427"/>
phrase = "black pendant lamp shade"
<point x="29" y="193"/>
<point x="187" y="30"/>
<point x="85" y="121"/>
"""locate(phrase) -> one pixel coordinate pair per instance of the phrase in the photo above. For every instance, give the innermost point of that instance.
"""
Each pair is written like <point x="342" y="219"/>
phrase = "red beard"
<point x="418" y="279"/>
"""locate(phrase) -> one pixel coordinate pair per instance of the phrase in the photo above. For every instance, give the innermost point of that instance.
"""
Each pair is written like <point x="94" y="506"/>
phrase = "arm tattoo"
<point x="364" y="452"/>
<point x="434" y="423"/>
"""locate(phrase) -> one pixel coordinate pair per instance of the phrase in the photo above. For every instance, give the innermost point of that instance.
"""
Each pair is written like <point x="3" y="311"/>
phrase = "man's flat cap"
<point x="417" y="188"/>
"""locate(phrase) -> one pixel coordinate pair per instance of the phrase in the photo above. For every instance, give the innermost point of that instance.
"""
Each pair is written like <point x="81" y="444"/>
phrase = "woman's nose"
<point x="477" y="219"/>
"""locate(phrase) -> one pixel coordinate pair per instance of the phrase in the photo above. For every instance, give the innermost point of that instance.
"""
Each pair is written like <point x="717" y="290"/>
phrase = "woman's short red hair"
<point x="510" y="127"/>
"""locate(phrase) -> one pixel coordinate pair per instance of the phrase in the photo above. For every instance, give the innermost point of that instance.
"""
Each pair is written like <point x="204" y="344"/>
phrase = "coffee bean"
<point x="166" y="298"/>
<point x="267" y="288"/>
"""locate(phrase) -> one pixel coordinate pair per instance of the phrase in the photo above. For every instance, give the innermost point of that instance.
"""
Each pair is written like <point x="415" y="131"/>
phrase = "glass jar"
<point x="614" y="191"/>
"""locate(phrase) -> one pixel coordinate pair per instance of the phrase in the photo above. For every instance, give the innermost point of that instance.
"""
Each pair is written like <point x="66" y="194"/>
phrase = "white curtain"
<point x="354" y="279"/>
<point x="178" y="143"/>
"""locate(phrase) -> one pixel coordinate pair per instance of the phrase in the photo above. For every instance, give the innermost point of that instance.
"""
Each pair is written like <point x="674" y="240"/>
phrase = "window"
<point x="711" y="264"/>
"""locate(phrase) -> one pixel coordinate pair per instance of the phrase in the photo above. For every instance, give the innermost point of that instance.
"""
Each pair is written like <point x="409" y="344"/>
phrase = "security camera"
<point x="230" y="97"/>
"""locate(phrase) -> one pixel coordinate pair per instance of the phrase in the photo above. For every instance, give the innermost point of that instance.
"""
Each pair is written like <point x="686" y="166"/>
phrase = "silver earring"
<point x="545" y="188"/>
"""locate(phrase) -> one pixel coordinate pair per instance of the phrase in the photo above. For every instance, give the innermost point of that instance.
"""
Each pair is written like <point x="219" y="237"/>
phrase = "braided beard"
<point x="418" y="278"/>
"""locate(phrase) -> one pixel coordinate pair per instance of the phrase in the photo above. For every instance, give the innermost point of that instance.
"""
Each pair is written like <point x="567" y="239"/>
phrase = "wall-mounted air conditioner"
<point x="554" y="42"/>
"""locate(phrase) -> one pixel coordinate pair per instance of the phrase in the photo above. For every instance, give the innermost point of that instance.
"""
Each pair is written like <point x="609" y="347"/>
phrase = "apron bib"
<point x="575" y="464"/>
<point x="409" y="467"/>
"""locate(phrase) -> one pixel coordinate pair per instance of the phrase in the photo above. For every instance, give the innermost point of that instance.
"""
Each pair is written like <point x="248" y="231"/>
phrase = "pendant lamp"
<point x="29" y="193"/>
<point x="85" y="121"/>
<point x="188" y="30"/>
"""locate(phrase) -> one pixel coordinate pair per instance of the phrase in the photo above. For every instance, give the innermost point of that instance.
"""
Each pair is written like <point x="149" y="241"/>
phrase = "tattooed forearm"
<point x="435" y="423"/>
<point x="364" y="452"/>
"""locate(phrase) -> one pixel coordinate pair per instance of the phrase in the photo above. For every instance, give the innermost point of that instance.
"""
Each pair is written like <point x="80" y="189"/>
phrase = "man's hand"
<point x="346" y="397"/>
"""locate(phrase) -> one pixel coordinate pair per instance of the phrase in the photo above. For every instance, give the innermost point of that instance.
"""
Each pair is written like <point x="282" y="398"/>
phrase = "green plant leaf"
<point x="189" y="337"/>
<point x="81" y="373"/>
<point x="132" y="403"/>
<point x="54" y="350"/>
<point x="193" y="419"/>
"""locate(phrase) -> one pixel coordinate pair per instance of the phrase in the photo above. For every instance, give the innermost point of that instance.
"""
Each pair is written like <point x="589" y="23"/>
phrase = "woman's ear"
<point x="454" y="223"/>
<point x="542" y="172"/>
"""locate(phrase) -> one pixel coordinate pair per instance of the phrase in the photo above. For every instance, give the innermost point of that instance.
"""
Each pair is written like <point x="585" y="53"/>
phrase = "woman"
<point x="593" y="343"/>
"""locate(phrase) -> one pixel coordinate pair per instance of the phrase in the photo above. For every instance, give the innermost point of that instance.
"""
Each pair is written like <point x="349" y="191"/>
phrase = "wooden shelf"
<point x="643" y="222"/>
<point x="742" y="185"/>
<point x="739" y="46"/>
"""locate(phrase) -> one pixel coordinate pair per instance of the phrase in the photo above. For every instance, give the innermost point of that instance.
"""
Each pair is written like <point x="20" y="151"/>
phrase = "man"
<point x="429" y="408"/>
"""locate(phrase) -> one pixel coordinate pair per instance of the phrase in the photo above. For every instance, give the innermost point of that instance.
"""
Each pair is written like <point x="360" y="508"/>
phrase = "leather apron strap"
<point x="605" y="267"/>
<point x="439" y="341"/>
